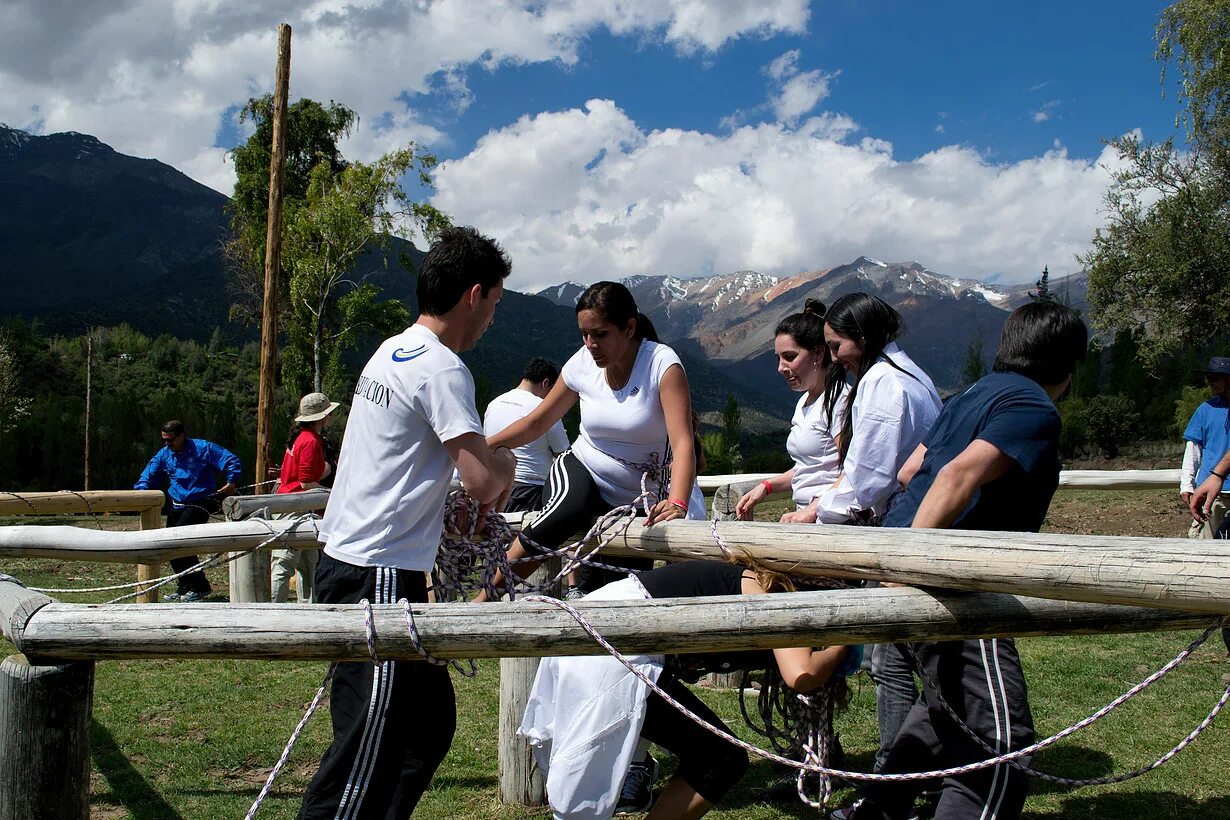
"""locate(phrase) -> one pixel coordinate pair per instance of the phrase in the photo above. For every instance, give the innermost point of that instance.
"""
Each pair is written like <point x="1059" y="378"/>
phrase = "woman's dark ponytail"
<point x="645" y="329"/>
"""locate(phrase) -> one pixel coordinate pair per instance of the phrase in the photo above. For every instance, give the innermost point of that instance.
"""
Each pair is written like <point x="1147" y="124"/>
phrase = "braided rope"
<point x="953" y="771"/>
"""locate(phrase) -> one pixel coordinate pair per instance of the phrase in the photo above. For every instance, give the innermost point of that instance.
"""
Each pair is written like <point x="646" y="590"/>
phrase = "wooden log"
<point x="80" y="544"/>
<point x="151" y="519"/>
<point x="45" y="740"/>
<point x="62" y="632"/>
<point x="241" y="507"/>
<point x="1086" y="479"/>
<point x="17" y="606"/>
<point x="522" y="782"/>
<point x="727" y="496"/>
<point x="1172" y="573"/>
<point x="83" y="502"/>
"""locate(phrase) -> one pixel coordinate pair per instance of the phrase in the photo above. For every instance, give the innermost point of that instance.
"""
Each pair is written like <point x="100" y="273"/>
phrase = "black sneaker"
<point x="636" y="796"/>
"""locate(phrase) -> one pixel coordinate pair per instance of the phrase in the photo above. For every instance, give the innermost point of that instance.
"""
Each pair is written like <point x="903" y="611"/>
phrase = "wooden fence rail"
<point x="148" y="503"/>
<point x="51" y="632"/>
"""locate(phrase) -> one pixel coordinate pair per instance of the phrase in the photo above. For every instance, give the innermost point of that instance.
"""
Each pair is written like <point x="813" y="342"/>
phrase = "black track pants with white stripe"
<point x="573" y="502"/>
<point x="982" y="681"/>
<point x="393" y="722"/>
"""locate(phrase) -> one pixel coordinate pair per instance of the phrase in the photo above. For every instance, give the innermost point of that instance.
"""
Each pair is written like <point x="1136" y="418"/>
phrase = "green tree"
<point x="343" y="216"/>
<point x="974" y="367"/>
<point x="1162" y="261"/>
<point x="14" y="405"/>
<point x="1185" y="405"/>
<point x="1043" y="294"/>
<point x="732" y="431"/>
<point x="312" y="134"/>
<point x="1110" y="421"/>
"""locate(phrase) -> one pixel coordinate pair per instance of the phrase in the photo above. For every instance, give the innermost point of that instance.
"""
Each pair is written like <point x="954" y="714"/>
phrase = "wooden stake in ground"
<point x="250" y="574"/>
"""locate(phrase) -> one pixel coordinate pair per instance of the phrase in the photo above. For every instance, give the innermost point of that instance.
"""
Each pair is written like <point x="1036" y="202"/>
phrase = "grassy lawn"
<point x="196" y="739"/>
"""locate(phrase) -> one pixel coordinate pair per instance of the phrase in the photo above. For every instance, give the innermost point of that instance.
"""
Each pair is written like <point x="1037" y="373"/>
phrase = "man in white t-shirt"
<point x="412" y="419"/>
<point x="533" y="459"/>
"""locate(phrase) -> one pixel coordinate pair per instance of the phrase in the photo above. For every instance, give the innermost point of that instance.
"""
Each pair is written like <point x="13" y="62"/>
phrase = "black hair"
<point x="539" y="369"/>
<point x="806" y="327"/>
<point x="1042" y="340"/>
<point x="457" y="261"/>
<point x="614" y="301"/>
<point x="173" y="427"/>
<point x="873" y="323"/>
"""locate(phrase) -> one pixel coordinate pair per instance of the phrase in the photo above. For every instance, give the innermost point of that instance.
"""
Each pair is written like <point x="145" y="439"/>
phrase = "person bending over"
<point x="585" y="714"/>
<point x="533" y="459"/>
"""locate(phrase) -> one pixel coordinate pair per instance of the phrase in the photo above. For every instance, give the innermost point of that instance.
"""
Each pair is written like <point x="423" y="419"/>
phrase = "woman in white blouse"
<point x="890" y="406"/>
<point x="803" y="360"/>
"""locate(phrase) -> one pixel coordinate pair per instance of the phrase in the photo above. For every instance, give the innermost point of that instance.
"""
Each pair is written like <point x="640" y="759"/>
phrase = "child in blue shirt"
<point x="1208" y="437"/>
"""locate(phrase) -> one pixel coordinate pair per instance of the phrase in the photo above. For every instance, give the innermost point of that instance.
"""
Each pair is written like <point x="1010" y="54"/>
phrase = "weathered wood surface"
<point x="240" y="507"/>
<point x="84" y="502"/>
<point x="522" y="782"/>
<point x="151" y="519"/>
<point x="60" y="632"/>
<point x="45" y="740"/>
<point x="80" y="544"/>
<point x="1087" y="479"/>
<point x="17" y="606"/>
<point x="1172" y="573"/>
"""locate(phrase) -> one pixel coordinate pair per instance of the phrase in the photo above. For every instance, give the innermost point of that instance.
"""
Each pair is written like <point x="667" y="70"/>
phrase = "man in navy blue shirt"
<point x="190" y="467"/>
<point x="990" y="462"/>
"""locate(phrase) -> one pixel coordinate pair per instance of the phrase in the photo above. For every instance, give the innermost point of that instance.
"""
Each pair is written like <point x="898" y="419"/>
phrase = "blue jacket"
<point x="191" y="472"/>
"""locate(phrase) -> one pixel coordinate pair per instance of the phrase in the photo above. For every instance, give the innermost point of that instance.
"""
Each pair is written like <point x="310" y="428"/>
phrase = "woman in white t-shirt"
<point x="803" y="361"/>
<point x="635" y="419"/>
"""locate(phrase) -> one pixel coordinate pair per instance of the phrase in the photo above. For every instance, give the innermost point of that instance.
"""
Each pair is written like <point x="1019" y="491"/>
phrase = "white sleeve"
<point x="664" y="358"/>
<point x="874" y="455"/>
<point x="557" y="438"/>
<point x="1191" y="465"/>
<point x="572" y="369"/>
<point x="446" y="401"/>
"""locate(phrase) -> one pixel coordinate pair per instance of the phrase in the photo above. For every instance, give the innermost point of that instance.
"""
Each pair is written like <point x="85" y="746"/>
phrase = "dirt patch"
<point x="1154" y="513"/>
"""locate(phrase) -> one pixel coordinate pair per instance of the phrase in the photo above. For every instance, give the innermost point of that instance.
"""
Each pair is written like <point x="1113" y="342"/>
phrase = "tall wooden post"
<point x="151" y="519"/>
<point x="521" y="781"/>
<point x="45" y="739"/>
<point x="250" y="574"/>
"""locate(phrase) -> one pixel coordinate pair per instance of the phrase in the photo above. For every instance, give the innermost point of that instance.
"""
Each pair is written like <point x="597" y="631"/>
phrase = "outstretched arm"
<point x="534" y="426"/>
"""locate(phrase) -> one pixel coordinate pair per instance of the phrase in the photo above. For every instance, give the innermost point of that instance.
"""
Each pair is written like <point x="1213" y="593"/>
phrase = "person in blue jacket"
<point x="189" y="468"/>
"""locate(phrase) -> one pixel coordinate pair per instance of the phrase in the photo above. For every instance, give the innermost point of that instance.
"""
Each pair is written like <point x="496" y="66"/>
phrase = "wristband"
<point x="768" y="487"/>
<point x="679" y="504"/>
<point x="1219" y="475"/>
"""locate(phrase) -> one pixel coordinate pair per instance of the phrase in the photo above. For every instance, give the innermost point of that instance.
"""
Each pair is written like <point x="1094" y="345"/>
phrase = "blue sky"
<point x="598" y="139"/>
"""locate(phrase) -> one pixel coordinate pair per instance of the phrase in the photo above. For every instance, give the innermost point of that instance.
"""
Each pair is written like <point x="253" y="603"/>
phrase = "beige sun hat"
<point x="314" y="407"/>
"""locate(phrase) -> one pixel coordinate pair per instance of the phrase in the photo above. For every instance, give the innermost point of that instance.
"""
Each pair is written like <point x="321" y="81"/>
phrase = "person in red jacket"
<point x="304" y="467"/>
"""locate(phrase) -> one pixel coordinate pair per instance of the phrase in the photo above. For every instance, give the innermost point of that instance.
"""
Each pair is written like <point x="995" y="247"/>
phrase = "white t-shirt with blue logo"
<point x="387" y="503"/>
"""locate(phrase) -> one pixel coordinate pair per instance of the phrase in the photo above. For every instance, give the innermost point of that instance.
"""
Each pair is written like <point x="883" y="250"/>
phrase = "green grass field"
<point x="196" y="739"/>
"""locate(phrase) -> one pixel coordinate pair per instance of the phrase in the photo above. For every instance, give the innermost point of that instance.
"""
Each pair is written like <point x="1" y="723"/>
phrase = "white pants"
<point x="299" y="563"/>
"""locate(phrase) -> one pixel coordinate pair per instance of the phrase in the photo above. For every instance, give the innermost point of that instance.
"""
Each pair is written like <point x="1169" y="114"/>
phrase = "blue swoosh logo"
<point x="400" y="355"/>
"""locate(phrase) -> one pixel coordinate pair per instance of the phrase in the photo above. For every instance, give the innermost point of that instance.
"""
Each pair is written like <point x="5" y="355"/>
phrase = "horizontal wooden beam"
<point x="528" y="629"/>
<point x="152" y="546"/>
<point x="239" y="507"/>
<point x="1084" y="479"/>
<point x="84" y="501"/>
<point x="1170" y="573"/>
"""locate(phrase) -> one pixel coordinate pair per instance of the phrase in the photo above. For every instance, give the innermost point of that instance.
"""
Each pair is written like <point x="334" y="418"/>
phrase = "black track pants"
<point x="393" y="723"/>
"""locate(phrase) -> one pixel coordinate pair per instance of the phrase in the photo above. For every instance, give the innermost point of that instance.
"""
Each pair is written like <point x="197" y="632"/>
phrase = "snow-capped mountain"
<point x="730" y="318"/>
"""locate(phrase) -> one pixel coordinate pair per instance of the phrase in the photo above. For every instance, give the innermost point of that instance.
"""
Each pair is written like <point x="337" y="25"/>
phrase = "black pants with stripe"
<point x="393" y="722"/>
<point x="573" y="502"/>
<point x="982" y="681"/>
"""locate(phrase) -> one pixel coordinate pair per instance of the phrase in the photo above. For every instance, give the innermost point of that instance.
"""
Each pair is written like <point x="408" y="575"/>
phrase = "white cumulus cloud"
<point x="587" y="194"/>
<point x="156" y="77"/>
